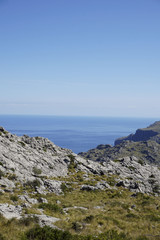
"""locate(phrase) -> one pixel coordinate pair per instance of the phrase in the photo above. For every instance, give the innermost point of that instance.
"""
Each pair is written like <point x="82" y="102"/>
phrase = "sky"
<point x="80" y="57"/>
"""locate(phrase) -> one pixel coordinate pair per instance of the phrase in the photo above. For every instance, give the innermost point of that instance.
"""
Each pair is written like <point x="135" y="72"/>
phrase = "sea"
<point x="76" y="133"/>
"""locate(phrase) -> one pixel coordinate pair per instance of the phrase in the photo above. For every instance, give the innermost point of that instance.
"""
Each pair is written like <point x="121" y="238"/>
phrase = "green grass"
<point x="88" y="212"/>
<point x="52" y="207"/>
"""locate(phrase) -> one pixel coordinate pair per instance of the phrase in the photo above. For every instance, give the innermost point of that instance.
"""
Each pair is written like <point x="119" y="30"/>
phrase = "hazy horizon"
<point x="80" y="58"/>
<point x="154" y="118"/>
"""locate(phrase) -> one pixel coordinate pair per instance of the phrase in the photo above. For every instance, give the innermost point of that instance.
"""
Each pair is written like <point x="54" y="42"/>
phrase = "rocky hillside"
<point x="146" y="152"/>
<point x="25" y="159"/>
<point x="46" y="184"/>
<point x="150" y="133"/>
<point x="144" y="144"/>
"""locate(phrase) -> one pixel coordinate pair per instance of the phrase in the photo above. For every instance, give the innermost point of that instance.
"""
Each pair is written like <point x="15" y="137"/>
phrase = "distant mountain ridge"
<point x="144" y="134"/>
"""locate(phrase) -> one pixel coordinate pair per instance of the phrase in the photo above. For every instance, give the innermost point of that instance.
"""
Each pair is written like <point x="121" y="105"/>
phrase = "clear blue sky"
<point x="80" y="57"/>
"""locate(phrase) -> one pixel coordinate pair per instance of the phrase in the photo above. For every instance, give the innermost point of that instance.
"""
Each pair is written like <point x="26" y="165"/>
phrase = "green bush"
<point x="72" y="158"/>
<point x="141" y="162"/>
<point x="142" y="238"/>
<point x="89" y="219"/>
<point x="37" y="171"/>
<point x="1" y="174"/>
<point x="26" y="221"/>
<point x="153" y="217"/>
<point x="48" y="233"/>
<point x="51" y="207"/>
<point x="22" y="143"/>
<point x="64" y="188"/>
<point x="72" y="164"/>
<point x="156" y="188"/>
<point x="44" y="149"/>
<point x="14" y="198"/>
<point x="12" y="177"/>
<point x="77" y="226"/>
<point x="1" y="237"/>
<point x="33" y="184"/>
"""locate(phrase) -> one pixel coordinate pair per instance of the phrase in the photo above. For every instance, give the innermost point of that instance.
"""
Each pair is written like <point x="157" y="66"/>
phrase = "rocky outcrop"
<point x="10" y="211"/>
<point x="31" y="157"/>
<point x="150" y="133"/>
<point x="136" y="176"/>
<point x="46" y="220"/>
<point x="146" y="152"/>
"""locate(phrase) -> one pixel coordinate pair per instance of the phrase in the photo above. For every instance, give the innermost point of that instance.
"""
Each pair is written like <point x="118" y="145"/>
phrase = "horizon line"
<point x="83" y="116"/>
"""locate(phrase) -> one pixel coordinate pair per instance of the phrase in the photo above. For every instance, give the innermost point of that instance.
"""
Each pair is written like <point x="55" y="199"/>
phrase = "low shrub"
<point x="12" y="177"/>
<point x="1" y="174"/>
<point x="64" y="188"/>
<point x="72" y="164"/>
<point x="44" y="149"/>
<point x="89" y="219"/>
<point x="156" y="188"/>
<point x="48" y="233"/>
<point x="22" y="143"/>
<point x="33" y="184"/>
<point x="141" y="162"/>
<point x="37" y="171"/>
<point x="26" y="221"/>
<point x="14" y="198"/>
<point x="142" y="238"/>
<point x="77" y="226"/>
<point x="72" y="158"/>
<point x="1" y="237"/>
<point x="51" y="207"/>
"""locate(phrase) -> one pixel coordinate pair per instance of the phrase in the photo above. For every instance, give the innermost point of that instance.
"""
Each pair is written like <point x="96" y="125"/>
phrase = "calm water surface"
<point x="76" y="133"/>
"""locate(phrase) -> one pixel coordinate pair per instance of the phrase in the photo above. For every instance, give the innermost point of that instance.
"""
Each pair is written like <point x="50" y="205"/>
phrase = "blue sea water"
<point x="76" y="133"/>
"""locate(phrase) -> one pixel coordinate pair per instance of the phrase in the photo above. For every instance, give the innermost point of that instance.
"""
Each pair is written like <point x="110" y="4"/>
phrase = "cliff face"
<point x="144" y="144"/>
<point x="150" y="133"/>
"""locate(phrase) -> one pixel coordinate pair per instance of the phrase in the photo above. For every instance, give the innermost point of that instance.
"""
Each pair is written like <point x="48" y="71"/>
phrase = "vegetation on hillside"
<point x="110" y="214"/>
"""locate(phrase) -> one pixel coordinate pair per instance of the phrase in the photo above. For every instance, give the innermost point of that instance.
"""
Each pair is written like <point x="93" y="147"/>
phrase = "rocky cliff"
<point x="144" y="144"/>
<point x="150" y="133"/>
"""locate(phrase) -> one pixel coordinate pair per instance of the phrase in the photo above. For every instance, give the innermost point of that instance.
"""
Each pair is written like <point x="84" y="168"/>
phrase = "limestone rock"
<point x="46" y="220"/>
<point x="27" y="199"/>
<point x="9" y="185"/>
<point x="42" y="200"/>
<point x="10" y="211"/>
<point x="53" y="186"/>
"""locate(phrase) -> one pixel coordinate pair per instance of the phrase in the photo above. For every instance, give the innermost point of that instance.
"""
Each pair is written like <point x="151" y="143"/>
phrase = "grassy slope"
<point x="103" y="210"/>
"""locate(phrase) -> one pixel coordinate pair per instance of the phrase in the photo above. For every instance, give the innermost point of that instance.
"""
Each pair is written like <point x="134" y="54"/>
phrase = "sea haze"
<point x="76" y="133"/>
